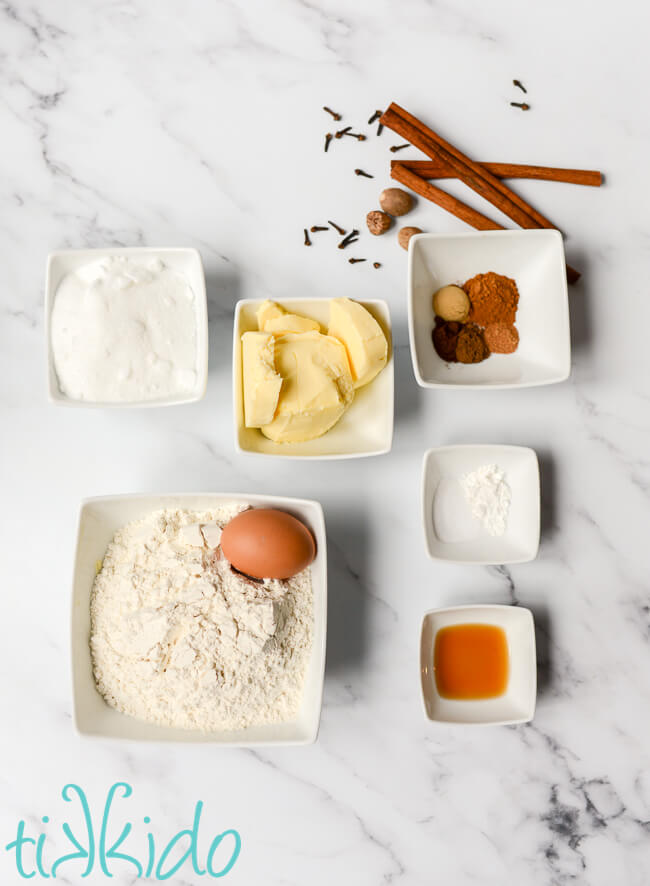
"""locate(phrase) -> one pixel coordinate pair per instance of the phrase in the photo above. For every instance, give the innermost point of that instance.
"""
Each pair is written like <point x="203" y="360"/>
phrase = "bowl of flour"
<point x="126" y="327"/>
<point x="169" y="643"/>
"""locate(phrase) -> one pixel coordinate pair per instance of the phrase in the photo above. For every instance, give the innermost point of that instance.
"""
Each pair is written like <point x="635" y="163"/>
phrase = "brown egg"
<point x="265" y="543"/>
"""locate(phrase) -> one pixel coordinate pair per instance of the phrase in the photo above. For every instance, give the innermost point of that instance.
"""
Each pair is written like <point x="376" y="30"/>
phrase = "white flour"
<point x="124" y="330"/>
<point x="179" y="639"/>
<point x="488" y="495"/>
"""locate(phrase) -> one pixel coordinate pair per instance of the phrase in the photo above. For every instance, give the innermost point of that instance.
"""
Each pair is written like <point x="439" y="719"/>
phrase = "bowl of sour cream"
<point x="126" y="327"/>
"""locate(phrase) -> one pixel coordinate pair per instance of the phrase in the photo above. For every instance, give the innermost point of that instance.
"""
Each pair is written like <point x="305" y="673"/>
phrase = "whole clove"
<point x="307" y="240"/>
<point x="341" y="132"/>
<point x="519" y="85"/>
<point x="354" y="261"/>
<point x="358" y="135"/>
<point x="333" y="113"/>
<point x="353" y="235"/>
<point x="364" y="174"/>
<point x="374" y="117"/>
<point x="376" y="264"/>
<point x="336" y="227"/>
<point x="328" y="139"/>
<point x="522" y="105"/>
<point x="315" y="228"/>
<point x="397" y="148"/>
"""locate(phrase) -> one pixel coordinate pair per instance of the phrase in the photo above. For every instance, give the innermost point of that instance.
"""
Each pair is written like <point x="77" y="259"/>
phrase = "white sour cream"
<point x="124" y="331"/>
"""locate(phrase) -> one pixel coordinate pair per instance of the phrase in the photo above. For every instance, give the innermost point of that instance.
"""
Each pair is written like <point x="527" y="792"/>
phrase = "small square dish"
<point x="184" y="261"/>
<point x="535" y="260"/>
<point x="517" y="703"/>
<point x="99" y="519"/>
<point x="444" y="505"/>
<point x="365" y="429"/>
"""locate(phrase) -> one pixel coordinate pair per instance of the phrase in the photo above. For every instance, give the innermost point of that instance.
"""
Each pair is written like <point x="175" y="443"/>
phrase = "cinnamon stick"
<point x="401" y="173"/>
<point x="436" y="169"/>
<point x="406" y="176"/>
<point x="472" y="174"/>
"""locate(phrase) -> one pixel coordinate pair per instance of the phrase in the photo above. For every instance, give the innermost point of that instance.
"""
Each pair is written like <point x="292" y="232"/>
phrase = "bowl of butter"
<point x="313" y="378"/>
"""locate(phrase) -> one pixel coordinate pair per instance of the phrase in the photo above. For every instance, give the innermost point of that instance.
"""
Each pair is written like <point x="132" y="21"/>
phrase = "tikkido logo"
<point x="96" y="852"/>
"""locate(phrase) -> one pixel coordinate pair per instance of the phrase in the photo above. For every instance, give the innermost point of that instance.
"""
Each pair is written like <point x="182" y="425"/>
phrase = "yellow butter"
<point x="268" y="310"/>
<point x="272" y="317"/>
<point x="316" y="386"/>
<point x="261" y="382"/>
<point x="363" y="337"/>
<point x="291" y="323"/>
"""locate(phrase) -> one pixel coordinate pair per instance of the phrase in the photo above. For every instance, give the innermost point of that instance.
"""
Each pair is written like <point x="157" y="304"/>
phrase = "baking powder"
<point x="488" y="495"/>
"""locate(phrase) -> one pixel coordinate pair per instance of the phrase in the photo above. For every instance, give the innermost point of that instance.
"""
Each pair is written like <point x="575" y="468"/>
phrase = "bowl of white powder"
<point x="126" y="327"/>
<point x="170" y="644"/>
<point x="481" y="504"/>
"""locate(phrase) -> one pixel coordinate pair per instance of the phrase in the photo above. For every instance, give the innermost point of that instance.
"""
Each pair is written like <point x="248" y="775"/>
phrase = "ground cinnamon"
<point x="493" y="297"/>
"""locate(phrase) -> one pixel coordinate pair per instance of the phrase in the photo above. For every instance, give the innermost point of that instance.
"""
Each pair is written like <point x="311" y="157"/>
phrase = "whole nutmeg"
<point x="405" y="234"/>
<point x="378" y="222"/>
<point x="395" y="201"/>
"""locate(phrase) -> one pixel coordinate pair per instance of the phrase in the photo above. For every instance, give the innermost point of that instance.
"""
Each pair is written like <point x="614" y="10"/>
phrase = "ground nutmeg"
<point x="501" y="338"/>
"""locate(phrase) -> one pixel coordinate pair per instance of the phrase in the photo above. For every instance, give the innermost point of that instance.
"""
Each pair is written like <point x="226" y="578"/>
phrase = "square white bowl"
<point x="517" y="704"/>
<point x="366" y="428"/>
<point x="99" y="519"/>
<point x="186" y="261"/>
<point x="535" y="260"/>
<point x="520" y="541"/>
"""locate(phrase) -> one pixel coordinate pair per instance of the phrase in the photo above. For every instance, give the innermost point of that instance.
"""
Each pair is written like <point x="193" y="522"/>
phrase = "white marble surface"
<point x="188" y="123"/>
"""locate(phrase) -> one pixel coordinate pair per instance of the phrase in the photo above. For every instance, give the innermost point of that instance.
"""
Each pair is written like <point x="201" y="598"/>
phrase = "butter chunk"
<point x="317" y="386"/>
<point x="291" y="323"/>
<point x="268" y="310"/>
<point x="363" y="337"/>
<point x="261" y="382"/>
<point x="272" y="317"/>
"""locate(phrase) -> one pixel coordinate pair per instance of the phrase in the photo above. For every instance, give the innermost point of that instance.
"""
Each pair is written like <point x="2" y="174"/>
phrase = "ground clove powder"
<point x="445" y="337"/>
<point x="471" y="347"/>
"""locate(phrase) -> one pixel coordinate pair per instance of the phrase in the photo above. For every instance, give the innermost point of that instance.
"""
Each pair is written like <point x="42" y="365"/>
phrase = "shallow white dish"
<point x="367" y="426"/>
<point x="535" y="260"/>
<point x="520" y="541"/>
<point x="186" y="261"/>
<point x="517" y="704"/>
<point x="98" y="521"/>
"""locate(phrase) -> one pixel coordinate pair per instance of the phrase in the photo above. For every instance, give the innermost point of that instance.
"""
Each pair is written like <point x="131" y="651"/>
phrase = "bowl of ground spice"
<point x="476" y="320"/>
<point x="512" y="330"/>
